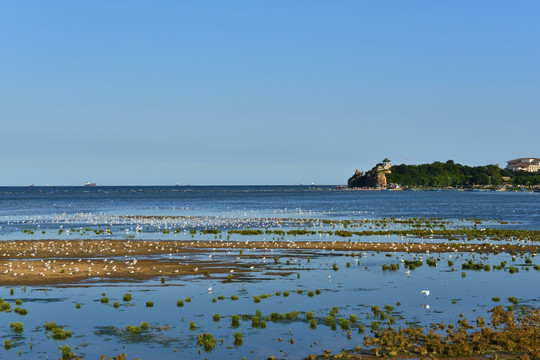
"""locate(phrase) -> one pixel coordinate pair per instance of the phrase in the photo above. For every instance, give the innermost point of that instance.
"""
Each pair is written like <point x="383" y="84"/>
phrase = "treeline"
<point x="439" y="174"/>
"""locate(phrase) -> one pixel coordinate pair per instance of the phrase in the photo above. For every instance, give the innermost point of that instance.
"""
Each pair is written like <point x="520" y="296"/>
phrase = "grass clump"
<point x="66" y="352"/>
<point x="344" y="323"/>
<point x="292" y="315"/>
<point x="255" y="321"/>
<point x="58" y="332"/>
<point x="513" y="300"/>
<point x="391" y="267"/>
<point x="237" y="338"/>
<point x="133" y="329"/>
<point x="235" y="320"/>
<point x="512" y="329"/>
<point x="149" y="304"/>
<point x="431" y="262"/>
<point x="470" y="265"/>
<point x="20" y="311"/>
<point x="206" y="340"/>
<point x="330" y="320"/>
<point x="49" y="325"/>
<point x="413" y="264"/>
<point x="16" y="326"/>
<point x="61" y="334"/>
<point x="127" y="297"/>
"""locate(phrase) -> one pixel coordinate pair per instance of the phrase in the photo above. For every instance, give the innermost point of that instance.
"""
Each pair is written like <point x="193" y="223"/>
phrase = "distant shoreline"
<point x="534" y="188"/>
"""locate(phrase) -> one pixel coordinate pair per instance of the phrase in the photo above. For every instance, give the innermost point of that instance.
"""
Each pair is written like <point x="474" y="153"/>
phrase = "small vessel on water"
<point x="31" y="185"/>
<point x="89" y="183"/>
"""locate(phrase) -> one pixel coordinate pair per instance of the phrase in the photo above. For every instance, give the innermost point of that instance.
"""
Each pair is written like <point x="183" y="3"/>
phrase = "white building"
<point x="524" y="164"/>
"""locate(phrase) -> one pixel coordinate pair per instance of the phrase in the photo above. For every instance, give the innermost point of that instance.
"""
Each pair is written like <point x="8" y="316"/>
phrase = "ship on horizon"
<point x="89" y="183"/>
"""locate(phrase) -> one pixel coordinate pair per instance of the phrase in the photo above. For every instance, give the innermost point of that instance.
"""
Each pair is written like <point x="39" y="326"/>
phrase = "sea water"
<point x="359" y="283"/>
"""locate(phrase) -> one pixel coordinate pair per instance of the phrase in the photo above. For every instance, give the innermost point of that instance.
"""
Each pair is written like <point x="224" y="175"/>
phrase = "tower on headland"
<point x="374" y="178"/>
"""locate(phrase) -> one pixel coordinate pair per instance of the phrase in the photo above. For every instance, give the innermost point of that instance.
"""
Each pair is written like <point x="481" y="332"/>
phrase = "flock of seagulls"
<point x="59" y="249"/>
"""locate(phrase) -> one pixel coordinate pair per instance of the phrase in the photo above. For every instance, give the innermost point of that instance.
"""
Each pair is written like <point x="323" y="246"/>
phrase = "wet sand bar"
<point x="56" y="261"/>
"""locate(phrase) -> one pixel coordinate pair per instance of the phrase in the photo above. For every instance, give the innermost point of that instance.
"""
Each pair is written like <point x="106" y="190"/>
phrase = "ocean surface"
<point x="39" y="212"/>
<point x="19" y="203"/>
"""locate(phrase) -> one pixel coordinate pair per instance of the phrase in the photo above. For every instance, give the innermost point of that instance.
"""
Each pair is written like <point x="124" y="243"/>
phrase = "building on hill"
<point x="375" y="178"/>
<point x="524" y="164"/>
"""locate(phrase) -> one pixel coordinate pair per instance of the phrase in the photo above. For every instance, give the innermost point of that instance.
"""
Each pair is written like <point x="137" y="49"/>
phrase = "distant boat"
<point x="89" y="184"/>
<point x="31" y="185"/>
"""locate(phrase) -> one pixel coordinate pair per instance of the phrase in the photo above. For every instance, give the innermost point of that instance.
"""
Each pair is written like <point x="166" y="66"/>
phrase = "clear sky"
<point x="262" y="92"/>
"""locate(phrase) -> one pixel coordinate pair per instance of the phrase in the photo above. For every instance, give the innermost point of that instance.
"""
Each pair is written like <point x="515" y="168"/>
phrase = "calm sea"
<point x="18" y="203"/>
<point x="361" y="283"/>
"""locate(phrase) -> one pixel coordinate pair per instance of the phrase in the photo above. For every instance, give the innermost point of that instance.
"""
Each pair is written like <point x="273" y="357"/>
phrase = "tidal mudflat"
<point x="235" y="283"/>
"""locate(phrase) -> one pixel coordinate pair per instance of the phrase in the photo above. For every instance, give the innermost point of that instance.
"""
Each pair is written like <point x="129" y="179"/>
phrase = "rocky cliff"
<point x="375" y="178"/>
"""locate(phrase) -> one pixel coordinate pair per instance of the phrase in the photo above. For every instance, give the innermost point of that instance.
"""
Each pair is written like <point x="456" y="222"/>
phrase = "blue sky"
<point x="262" y="92"/>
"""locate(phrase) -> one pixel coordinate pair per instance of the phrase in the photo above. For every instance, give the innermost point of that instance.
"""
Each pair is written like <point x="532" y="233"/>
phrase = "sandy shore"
<point x="41" y="262"/>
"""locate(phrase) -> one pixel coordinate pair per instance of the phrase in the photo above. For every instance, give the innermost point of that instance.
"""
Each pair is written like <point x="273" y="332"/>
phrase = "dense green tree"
<point x="439" y="174"/>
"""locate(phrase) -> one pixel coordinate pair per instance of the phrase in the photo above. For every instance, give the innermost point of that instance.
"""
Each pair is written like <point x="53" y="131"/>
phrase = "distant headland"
<point x="447" y="174"/>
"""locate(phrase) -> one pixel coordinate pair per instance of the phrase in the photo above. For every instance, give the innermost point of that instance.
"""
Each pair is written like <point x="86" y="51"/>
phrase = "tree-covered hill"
<point x="439" y="174"/>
